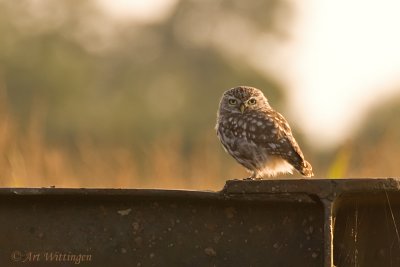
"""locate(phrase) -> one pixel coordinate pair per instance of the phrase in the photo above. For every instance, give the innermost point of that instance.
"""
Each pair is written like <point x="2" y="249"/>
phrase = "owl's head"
<point x="243" y="99"/>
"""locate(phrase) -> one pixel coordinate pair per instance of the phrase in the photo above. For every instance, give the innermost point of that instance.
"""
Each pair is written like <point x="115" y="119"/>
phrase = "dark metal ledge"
<point x="308" y="222"/>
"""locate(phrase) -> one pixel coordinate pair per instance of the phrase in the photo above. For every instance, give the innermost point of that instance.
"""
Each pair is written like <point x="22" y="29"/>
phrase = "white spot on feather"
<point x="124" y="212"/>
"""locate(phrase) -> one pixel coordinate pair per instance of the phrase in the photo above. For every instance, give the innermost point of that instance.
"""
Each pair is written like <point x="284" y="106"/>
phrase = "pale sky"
<point x="346" y="58"/>
<point x="342" y="58"/>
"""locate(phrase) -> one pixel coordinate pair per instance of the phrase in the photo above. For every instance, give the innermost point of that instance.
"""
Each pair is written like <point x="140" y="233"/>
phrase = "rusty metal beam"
<point x="313" y="222"/>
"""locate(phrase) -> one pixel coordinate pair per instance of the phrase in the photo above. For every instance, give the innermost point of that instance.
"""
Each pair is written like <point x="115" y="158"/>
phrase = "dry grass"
<point x="27" y="160"/>
<point x="367" y="157"/>
<point x="377" y="159"/>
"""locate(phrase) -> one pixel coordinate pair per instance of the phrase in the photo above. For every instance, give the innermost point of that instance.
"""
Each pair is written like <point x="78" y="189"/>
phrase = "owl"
<point x="257" y="136"/>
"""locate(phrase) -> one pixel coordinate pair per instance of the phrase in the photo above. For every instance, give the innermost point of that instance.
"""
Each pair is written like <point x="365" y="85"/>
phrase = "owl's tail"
<point x="306" y="169"/>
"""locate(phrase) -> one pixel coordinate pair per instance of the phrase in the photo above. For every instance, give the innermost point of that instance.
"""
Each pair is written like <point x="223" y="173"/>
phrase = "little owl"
<point x="257" y="136"/>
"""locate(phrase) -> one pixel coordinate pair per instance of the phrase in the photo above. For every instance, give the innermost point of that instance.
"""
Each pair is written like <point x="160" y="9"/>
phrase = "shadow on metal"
<point x="319" y="222"/>
<point x="366" y="229"/>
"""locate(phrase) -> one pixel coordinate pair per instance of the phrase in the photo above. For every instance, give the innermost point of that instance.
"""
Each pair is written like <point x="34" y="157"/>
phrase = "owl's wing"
<point x="286" y="145"/>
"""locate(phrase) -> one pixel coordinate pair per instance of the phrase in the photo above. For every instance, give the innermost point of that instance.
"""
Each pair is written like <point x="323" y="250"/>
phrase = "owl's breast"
<point x="256" y="127"/>
<point x="240" y="138"/>
<point x="230" y="130"/>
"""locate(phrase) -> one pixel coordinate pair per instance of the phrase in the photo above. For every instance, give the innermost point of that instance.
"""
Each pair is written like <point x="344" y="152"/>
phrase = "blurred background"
<point x="124" y="93"/>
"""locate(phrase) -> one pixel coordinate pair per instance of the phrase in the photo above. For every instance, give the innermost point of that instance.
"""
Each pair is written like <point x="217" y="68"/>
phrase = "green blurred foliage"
<point x="129" y="82"/>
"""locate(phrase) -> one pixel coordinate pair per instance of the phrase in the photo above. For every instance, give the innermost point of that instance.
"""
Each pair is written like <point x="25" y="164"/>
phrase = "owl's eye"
<point x="232" y="101"/>
<point x="252" y="101"/>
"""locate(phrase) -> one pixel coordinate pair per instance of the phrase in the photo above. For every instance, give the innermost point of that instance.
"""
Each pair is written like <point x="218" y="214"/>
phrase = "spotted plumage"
<point x="257" y="136"/>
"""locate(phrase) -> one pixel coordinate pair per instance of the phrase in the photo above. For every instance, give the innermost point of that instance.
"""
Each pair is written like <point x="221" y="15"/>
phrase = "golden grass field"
<point x="27" y="160"/>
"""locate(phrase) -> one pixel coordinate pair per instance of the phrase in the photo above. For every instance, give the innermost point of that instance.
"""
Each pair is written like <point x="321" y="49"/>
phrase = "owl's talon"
<point x="252" y="179"/>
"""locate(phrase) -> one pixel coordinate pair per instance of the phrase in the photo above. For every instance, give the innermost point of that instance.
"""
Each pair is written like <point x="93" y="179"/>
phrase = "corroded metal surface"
<point x="367" y="229"/>
<point x="350" y="222"/>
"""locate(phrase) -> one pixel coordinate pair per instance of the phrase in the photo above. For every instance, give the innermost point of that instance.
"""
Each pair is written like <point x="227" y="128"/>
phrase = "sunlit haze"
<point x="151" y="10"/>
<point x="342" y="58"/>
<point x="345" y="60"/>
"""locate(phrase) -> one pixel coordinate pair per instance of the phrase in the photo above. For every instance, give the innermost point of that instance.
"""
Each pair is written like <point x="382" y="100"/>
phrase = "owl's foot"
<point x="252" y="179"/>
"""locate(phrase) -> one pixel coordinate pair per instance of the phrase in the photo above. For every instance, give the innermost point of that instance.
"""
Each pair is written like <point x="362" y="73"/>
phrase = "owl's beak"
<point x="242" y="107"/>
